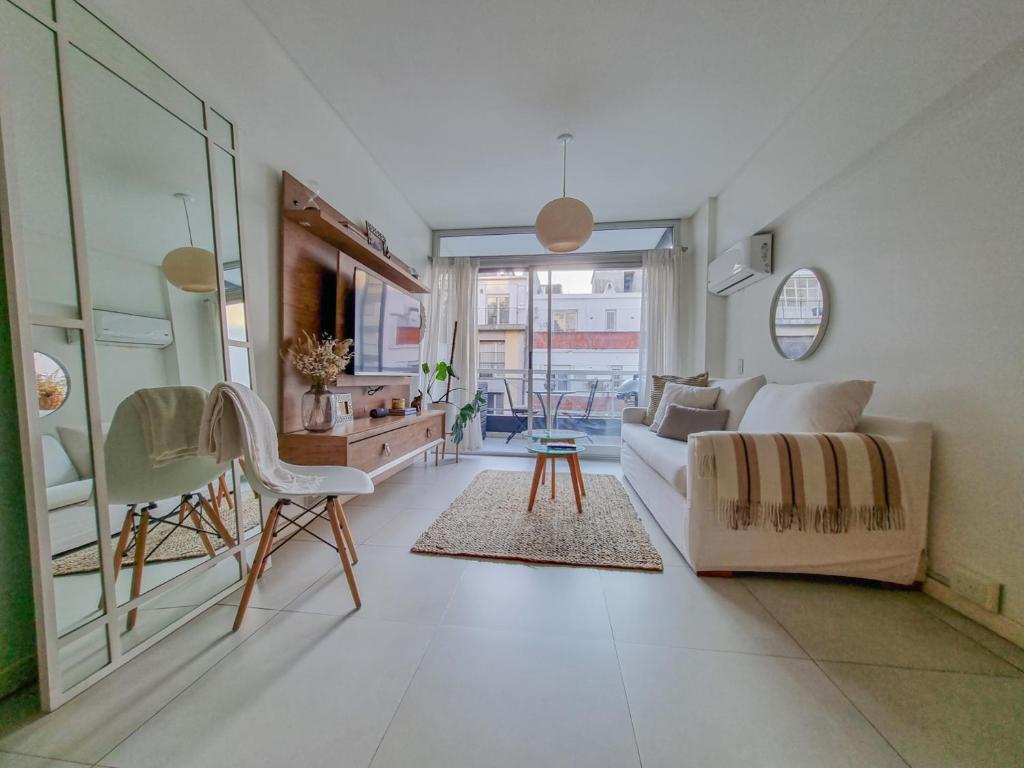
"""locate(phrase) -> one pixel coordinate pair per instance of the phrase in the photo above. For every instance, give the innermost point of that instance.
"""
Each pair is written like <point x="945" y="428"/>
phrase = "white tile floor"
<point x="455" y="662"/>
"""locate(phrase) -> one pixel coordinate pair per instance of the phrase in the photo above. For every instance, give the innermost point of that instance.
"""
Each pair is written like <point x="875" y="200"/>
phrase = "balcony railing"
<point x="587" y="400"/>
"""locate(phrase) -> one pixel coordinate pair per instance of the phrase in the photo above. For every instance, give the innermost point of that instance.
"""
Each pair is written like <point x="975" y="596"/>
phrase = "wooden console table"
<point x="372" y="445"/>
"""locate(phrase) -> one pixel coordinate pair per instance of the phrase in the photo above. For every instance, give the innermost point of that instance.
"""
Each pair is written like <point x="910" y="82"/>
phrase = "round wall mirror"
<point x="799" y="314"/>
<point x="52" y="383"/>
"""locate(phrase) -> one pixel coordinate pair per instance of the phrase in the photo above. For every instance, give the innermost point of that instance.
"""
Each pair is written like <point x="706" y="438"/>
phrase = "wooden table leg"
<point x="575" y="484"/>
<point x="574" y="462"/>
<point x="544" y="473"/>
<point x="538" y="468"/>
<point x="553" y="468"/>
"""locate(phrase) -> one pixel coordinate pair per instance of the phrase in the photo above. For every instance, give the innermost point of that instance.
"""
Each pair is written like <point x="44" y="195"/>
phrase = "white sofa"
<point x="660" y="471"/>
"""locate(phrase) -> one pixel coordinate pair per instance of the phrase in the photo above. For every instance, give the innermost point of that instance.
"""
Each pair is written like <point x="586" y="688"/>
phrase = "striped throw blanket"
<point x="829" y="483"/>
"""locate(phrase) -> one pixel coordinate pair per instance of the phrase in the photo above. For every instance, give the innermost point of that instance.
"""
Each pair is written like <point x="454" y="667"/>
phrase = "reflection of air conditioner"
<point x="131" y="330"/>
<point x="744" y="264"/>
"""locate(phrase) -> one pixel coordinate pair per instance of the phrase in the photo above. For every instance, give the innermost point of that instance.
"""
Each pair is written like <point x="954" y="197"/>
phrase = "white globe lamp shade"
<point x="564" y="225"/>
<point x="191" y="269"/>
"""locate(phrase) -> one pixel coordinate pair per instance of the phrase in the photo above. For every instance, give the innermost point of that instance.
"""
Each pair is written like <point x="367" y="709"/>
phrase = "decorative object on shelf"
<point x="376" y="238"/>
<point x="189" y="268"/>
<point x="343" y="405"/>
<point x="52" y="383"/>
<point x="443" y="371"/>
<point x="799" y="314"/>
<point x="374" y="390"/>
<point x="379" y="413"/>
<point x="398" y="403"/>
<point x="321" y="362"/>
<point x="565" y="223"/>
<point x="314" y="193"/>
<point x="417" y="402"/>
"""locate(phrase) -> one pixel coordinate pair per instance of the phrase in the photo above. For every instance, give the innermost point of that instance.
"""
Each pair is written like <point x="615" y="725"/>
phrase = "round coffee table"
<point x="556" y="436"/>
<point x="545" y="451"/>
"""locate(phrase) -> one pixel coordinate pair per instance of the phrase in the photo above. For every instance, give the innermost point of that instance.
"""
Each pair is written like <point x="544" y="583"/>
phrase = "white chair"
<point x="337" y="481"/>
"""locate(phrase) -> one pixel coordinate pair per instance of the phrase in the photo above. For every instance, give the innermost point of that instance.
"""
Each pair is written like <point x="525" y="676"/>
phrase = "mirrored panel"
<point x="149" y="232"/>
<point x="28" y="53"/>
<point x="799" y="314"/>
<point x="68" y="474"/>
<point x="151" y="616"/>
<point x="230" y="242"/>
<point x="53" y="383"/>
<point x="81" y="656"/>
<point x="96" y="38"/>
<point x="220" y="130"/>
<point x="41" y="8"/>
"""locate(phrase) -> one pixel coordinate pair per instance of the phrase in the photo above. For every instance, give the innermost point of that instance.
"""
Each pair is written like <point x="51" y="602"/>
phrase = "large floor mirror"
<point x="124" y="266"/>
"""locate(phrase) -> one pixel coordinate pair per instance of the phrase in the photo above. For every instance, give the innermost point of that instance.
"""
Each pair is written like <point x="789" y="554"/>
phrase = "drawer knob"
<point x="386" y="449"/>
<point x="430" y="431"/>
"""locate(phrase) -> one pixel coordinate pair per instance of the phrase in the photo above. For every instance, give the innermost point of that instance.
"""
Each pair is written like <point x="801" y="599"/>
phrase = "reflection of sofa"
<point x="68" y="494"/>
<point x="661" y="471"/>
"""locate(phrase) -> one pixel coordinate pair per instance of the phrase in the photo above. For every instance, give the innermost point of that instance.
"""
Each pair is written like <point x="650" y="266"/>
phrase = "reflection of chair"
<point x="334" y="482"/>
<point x="133" y="480"/>
<point x="521" y="414"/>
<point x="581" y="419"/>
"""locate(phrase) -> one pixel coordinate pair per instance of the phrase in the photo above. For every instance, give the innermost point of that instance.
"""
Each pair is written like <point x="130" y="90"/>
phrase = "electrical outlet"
<point x="976" y="587"/>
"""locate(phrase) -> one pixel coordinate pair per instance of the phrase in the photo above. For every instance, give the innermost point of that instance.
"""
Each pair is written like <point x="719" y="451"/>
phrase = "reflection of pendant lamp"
<point x="190" y="269"/>
<point x="565" y="223"/>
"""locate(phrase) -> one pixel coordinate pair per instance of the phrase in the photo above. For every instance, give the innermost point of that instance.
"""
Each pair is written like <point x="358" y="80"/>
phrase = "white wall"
<point x="223" y="53"/>
<point x="913" y="211"/>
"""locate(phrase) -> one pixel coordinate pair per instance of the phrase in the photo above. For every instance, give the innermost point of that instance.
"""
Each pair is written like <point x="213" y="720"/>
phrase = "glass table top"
<point x="546" y="449"/>
<point x="555" y="434"/>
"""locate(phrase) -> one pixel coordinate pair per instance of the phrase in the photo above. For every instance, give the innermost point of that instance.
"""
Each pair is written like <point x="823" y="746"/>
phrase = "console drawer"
<point x="376" y="451"/>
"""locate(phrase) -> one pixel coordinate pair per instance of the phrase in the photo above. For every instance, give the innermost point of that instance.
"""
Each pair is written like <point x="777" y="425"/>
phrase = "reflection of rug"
<point x="182" y="544"/>
<point x="490" y="520"/>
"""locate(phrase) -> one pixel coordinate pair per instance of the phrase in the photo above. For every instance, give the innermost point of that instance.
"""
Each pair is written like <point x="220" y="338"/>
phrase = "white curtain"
<point x="661" y="316"/>
<point x="453" y="298"/>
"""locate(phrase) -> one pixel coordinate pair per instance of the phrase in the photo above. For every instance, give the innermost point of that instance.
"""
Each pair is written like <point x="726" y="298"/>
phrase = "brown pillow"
<point x="658" y="389"/>
<point x="681" y="421"/>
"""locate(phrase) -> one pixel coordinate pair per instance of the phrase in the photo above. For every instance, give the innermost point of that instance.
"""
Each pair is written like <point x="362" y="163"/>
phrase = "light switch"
<point x="739" y="365"/>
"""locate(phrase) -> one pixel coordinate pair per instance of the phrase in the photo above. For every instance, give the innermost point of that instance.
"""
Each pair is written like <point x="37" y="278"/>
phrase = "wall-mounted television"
<point x="386" y="328"/>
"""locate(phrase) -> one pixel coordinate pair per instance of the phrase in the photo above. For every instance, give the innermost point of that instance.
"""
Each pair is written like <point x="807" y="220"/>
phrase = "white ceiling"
<point x="460" y="101"/>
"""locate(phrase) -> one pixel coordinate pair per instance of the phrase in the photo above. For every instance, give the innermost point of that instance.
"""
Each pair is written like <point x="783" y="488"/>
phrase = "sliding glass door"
<point x="559" y="349"/>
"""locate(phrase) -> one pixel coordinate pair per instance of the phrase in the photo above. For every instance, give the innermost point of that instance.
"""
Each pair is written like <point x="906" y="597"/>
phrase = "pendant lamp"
<point x="189" y="268"/>
<point x="565" y="223"/>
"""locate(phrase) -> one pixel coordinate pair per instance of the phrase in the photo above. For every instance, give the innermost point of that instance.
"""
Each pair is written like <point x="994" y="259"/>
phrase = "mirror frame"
<point x="49" y="641"/>
<point x="826" y="299"/>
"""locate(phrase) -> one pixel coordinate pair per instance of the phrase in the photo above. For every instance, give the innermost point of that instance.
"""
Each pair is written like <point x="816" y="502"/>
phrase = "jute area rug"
<point x="490" y="520"/>
<point x="182" y="544"/>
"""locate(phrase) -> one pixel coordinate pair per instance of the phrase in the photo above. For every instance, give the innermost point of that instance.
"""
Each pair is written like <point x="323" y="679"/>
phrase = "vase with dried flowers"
<point x="321" y="361"/>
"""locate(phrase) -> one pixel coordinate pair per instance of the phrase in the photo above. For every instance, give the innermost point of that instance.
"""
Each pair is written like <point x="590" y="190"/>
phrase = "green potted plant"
<point x="459" y="416"/>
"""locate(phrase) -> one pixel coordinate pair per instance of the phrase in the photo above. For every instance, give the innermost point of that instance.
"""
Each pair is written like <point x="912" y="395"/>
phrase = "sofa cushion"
<point x="683" y="394"/>
<point x="66" y="494"/>
<point x="664" y="456"/>
<point x="658" y="386"/>
<point x="76" y="443"/>
<point x="57" y="467"/>
<point x="816" y="406"/>
<point x="682" y="421"/>
<point x="735" y="395"/>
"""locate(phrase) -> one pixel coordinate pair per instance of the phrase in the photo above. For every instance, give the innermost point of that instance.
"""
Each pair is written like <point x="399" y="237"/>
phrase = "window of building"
<point x="609" y="319"/>
<point x="627" y="280"/>
<point x="492" y="354"/>
<point x="564" y="319"/>
<point x="497" y="309"/>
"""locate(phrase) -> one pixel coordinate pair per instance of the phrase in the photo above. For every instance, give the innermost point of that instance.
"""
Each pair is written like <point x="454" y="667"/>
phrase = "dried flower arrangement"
<point x="321" y="361"/>
<point x="51" y="389"/>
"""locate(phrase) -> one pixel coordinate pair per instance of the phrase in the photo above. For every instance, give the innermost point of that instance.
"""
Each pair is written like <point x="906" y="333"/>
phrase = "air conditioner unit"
<point x="131" y="330"/>
<point x="744" y="264"/>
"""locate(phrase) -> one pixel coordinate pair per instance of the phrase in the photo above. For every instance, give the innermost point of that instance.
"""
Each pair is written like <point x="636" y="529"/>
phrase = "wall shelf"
<point x="344" y="236"/>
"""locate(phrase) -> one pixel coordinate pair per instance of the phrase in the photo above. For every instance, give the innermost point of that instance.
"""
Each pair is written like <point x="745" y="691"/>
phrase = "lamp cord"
<point x="565" y="149"/>
<point x="184" y="204"/>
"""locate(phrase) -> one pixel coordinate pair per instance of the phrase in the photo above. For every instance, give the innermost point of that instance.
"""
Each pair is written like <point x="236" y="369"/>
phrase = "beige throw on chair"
<point x="170" y="419"/>
<point x="828" y="483"/>
<point x="234" y="415"/>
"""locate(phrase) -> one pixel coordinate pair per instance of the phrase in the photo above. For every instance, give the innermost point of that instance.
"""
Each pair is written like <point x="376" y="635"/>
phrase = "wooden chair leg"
<point x="257" y="565"/>
<point x="223" y="492"/>
<point x="538" y="469"/>
<point x="218" y="523"/>
<point x="122" y="545"/>
<point x="339" y="540"/>
<point x="197" y="521"/>
<point x="140" y="561"/>
<point x="349" y="542"/>
<point x="213" y="494"/>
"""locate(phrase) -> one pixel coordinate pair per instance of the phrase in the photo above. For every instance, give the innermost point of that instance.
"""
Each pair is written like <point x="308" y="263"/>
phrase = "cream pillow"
<point x="735" y="396"/>
<point x="816" y="406"/>
<point x="683" y="394"/>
